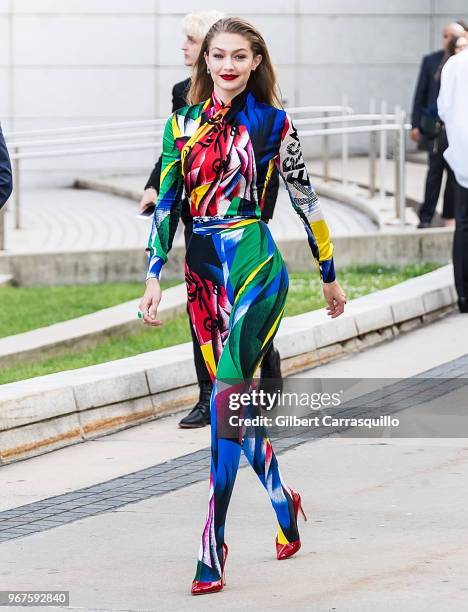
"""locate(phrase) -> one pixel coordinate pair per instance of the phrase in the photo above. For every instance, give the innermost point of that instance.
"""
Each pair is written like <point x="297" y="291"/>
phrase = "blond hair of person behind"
<point x="198" y="24"/>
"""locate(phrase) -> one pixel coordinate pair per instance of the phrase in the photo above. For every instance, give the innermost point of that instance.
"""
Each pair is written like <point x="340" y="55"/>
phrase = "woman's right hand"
<point x="149" y="197"/>
<point x="150" y="301"/>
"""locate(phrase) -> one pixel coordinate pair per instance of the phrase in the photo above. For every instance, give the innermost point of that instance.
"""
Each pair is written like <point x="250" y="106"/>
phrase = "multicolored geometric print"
<point x="237" y="285"/>
<point x="223" y="156"/>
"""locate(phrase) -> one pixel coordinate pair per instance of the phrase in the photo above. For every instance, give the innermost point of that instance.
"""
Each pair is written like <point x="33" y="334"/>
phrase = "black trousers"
<point x="435" y="173"/>
<point x="200" y="366"/>
<point x="460" y="245"/>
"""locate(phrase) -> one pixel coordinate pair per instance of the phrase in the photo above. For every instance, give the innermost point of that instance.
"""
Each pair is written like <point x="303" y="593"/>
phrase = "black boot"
<point x="199" y="416"/>
<point x="463" y="305"/>
<point x="271" y="379"/>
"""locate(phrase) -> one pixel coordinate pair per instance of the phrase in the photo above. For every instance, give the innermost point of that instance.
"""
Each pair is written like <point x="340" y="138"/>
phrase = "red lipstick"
<point x="229" y="77"/>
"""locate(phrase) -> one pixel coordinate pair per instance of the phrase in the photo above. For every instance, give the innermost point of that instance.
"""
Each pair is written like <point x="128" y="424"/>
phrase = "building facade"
<point x="75" y="62"/>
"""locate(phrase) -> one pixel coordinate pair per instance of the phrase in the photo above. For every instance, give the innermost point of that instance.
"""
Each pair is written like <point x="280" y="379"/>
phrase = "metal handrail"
<point x="149" y="122"/>
<point x="110" y="137"/>
<point x="70" y="152"/>
<point x="340" y="118"/>
<point x="86" y="128"/>
<point x="377" y="127"/>
<point x="298" y="110"/>
<point x="397" y="125"/>
<point x="80" y="139"/>
<point x="157" y="145"/>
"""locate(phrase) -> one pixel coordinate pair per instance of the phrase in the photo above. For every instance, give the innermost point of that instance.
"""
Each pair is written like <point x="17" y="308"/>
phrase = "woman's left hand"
<point x="335" y="297"/>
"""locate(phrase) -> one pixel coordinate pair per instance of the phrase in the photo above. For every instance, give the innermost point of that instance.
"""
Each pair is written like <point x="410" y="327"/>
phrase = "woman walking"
<point x="222" y="150"/>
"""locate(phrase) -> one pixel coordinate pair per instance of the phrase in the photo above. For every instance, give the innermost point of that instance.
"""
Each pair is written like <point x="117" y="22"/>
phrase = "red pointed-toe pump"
<point x="283" y="551"/>
<point x="203" y="588"/>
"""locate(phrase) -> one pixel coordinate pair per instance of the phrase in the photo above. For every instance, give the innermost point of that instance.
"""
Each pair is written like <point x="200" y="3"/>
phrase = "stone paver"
<point x="439" y="383"/>
<point x="72" y="220"/>
<point x="386" y="532"/>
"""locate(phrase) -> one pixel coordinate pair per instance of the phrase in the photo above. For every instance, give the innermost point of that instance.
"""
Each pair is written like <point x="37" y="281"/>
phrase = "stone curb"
<point x="5" y="280"/>
<point x="346" y="196"/>
<point x="382" y="213"/>
<point x="108" y="186"/>
<point x="334" y="192"/>
<point x="41" y="414"/>
<point x="81" y="331"/>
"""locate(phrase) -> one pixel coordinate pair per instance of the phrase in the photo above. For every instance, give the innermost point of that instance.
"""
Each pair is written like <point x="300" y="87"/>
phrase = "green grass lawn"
<point x="304" y="295"/>
<point x="26" y="308"/>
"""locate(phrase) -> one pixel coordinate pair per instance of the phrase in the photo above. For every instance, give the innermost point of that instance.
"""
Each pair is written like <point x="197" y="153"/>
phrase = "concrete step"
<point x="5" y="279"/>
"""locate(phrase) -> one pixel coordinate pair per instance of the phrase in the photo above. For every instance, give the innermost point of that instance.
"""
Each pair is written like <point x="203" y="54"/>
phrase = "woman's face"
<point x="230" y="60"/>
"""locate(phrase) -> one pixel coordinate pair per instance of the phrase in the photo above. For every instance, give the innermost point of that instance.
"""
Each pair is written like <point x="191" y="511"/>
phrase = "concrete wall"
<point x="76" y="62"/>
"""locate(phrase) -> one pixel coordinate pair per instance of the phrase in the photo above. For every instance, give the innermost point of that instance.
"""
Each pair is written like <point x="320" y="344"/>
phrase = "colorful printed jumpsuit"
<point x="223" y="155"/>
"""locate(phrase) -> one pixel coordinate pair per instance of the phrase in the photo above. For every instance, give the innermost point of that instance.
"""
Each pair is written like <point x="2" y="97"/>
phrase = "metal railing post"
<point x="383" y="150"/>
<point x="344" y="149"/>
<point x="372" y="154"/>
<point x="396" y="155"/>
<point x="325" y="153"/>
<point x="16" y="189"/>
<point x="402" y="167"/>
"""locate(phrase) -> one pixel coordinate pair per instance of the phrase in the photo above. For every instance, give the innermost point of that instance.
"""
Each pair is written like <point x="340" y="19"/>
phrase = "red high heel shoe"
<point x="203" y="588"/>
<point x="283" y="551"/>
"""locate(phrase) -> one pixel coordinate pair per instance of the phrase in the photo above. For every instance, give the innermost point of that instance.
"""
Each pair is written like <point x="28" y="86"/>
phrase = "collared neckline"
<point x="218" y="104"/>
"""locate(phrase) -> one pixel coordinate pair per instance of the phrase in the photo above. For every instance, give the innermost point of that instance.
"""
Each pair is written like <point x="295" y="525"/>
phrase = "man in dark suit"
<point x="199" y="416"/>
<point x="6" y="181"/>
<point x="425" y="105"/>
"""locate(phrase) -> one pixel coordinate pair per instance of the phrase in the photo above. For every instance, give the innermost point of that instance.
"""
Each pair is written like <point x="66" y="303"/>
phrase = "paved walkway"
<point x="386" y="529"/>
<point x="75" y="219"/>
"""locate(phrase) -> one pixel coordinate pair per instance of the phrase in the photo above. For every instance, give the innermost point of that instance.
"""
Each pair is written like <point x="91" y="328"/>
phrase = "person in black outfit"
<point x="6" y="181"/>
<point x="199" y="416"/>
<point x="425" y="109"/>
<point x="460" y="248"/>
<point x="452" y="104"/>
